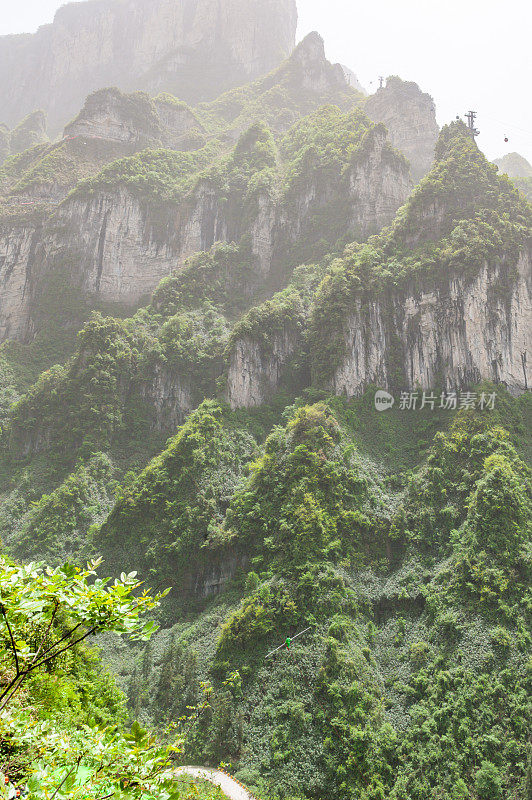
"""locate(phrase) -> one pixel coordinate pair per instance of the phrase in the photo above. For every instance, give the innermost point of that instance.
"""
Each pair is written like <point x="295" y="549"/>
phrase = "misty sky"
<point x="465" y="53"/>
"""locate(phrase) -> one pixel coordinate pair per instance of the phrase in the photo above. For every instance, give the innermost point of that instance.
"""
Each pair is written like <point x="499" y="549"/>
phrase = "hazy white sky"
<point x="465" y="53"/>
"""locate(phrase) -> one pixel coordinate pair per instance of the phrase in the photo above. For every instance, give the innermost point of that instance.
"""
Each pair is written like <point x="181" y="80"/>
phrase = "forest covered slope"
<point x="204" y="295"/>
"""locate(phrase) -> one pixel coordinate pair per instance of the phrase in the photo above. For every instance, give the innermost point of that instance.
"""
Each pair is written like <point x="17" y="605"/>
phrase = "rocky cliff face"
<point x="20" y="241"/>
<point x="194" y="49"/>
<point x="410" y="117"/>
<point x="117" y="253"/>
<point x="135" y="119"/>
<point x="450" y="335"/>
<point x="116" y="246"/>
<point x="455" y="335"/>
<point x="170" y="395"/>
<point x="255" y="370"/>
<point x="442" y="298"/>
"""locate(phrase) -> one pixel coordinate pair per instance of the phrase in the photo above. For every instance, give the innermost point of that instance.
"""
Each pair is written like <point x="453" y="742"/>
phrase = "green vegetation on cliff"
<point x="461" y="217"/>
<point x="414" y="677"/>
<point x="399" y="542"/>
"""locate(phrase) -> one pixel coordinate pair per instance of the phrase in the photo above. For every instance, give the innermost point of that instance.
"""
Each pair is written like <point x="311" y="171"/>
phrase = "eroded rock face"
<point x="194" y="49"/>
<point x="454" y="334"/>
<point x="255" y="370"/>
<point x="377" y="187"/>
<point x="19" y="255"/>
<point x="170" y="395"/>
<point x="134" y="119"/>
<point x="211" y="577"/>
<point x="110" y="114"/>
<point x="410" y="117"/>
<point x="119" y="251"/>
<point x="118" y="247"/>
<point x="316" y="73"/>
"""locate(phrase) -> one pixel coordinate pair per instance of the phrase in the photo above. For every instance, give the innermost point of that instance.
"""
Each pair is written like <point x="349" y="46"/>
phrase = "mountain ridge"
<point x="84" y="49"/>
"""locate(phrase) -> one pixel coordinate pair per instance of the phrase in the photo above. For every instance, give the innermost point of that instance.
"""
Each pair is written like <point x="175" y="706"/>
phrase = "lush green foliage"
<point x="460" y="217"/>
<point x="305" y="499"/>
<point x="56" y="525"/>
<point x="180" y="497"/>
<point x="153" y="174"/>
<point x="56" y="739"/>
<point x="400" y="546"/>
<point x="224" y="276"/>
<point x="525" y="186"/>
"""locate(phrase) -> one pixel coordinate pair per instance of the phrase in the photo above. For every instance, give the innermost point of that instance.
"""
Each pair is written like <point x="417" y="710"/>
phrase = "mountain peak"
<point x="312" y="46"/>
<point x="188" y="49"/>
<point x="410" y="116"/>
<point x="514" y="165"/>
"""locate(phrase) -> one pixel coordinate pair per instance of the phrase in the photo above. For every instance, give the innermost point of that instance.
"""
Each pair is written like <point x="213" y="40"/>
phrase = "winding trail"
<point x="228" y="785"/>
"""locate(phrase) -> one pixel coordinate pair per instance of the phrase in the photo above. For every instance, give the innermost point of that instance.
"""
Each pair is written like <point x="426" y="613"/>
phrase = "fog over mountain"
<point x="463" y="58"/>
<point x="266" y="346"/>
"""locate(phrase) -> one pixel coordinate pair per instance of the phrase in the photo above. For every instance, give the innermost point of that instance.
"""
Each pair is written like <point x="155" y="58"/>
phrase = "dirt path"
<point x="228" y="785"/>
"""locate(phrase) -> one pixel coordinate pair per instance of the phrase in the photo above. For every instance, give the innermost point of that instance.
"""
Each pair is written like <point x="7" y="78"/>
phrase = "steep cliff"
<point x="114" y="245"/>
<point x="455" y="307"/>
<point x="410" y="117"/>
<point x="452" y="335"/>
<point x="20" y="238"/>
<point x="267" y="349"/>
<point x="194" y="49"/>
<point x="442" y="299"/>
<point x="120" y="233"/>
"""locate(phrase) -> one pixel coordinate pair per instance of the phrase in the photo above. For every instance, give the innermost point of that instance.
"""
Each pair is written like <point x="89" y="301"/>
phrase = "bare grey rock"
<point x="120" y="247"/>
<point x="170" y="395"/>
<point x="194" y="49"/>
<point x="255" y="372"/>
<point x="461" y="332"/>
<point x="19" y="245"/>
<point x="410" y="117"/>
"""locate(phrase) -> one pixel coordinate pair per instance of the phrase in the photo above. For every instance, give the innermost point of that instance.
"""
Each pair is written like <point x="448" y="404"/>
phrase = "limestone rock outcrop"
<point x="194" y="49"/>
<point x="135" y="119"/>
<point x="453" y="335"/>
<point x="410" y="117"/>
<point x="255" y="372"/>
<point x="118" y="246"/>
